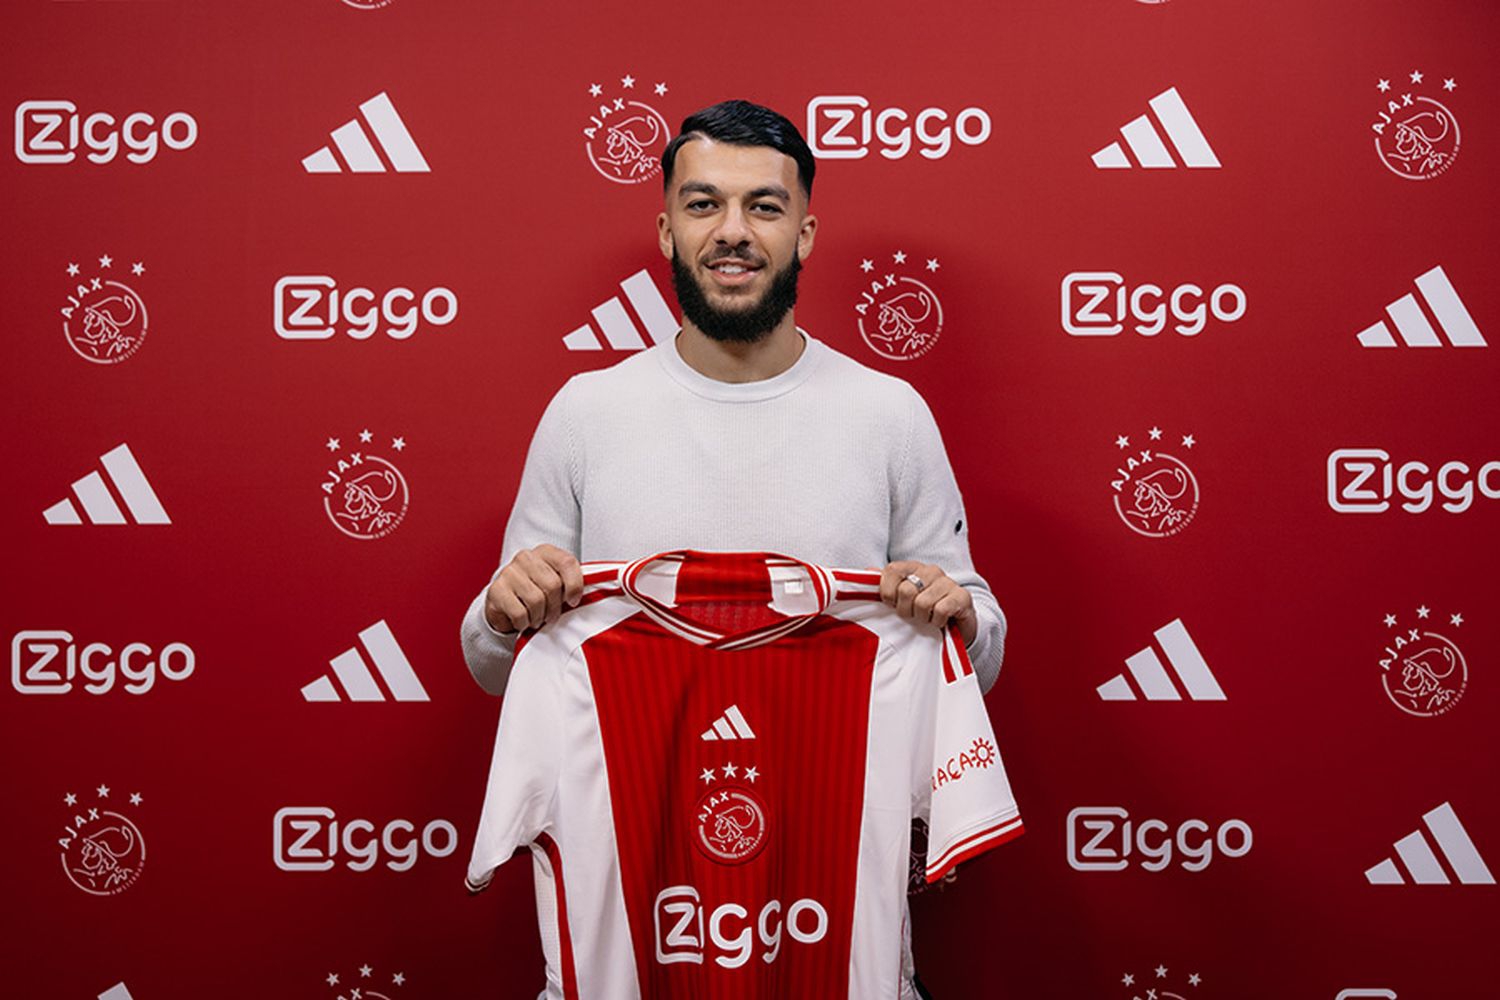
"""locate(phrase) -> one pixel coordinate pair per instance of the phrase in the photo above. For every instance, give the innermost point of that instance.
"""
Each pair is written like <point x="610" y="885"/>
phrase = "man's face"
<point x="736" y="229"/>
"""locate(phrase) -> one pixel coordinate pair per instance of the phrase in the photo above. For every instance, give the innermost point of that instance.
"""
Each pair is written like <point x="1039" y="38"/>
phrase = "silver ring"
<point x="915" y="580"/>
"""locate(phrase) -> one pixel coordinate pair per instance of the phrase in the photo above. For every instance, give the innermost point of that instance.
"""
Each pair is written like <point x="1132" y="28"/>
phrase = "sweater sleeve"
<point x="547" y="510"/>
<point x="929" y="524"/>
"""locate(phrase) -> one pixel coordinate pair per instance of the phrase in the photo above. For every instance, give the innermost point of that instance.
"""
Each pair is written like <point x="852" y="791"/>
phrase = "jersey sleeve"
<point x="521" y="797"/>
<point x="961" y="789"/>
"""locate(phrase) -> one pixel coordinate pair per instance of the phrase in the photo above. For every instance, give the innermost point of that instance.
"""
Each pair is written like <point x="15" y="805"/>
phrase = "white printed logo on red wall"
<point x="314" y="307"/>
<point x="1147" y="146"/>
<point x="364" y="495"/>
<point x="103" y="852"/>
<point x="846" y="127"/>
<point x="620" y="331"/>
<point x="1420" y="862"/>
<point x="53" y="131"/>
<point x="1105" y="838"/>
<point x="365" y="984"/>
<point x="356" y="679"/>
<point x="1152" y="678"/>
<point x="1158" y="983"/>
<point x="1155" y="492"/>
<point x="1416" y="136"/>
<point x="360" y="151"/>
<point x="104" y="319"/>
<point x="899" y="315"/>
<point x="1100" y="304"/>
<point x="116" y="992"/>
<point x="314" y="839"/>
<point x="623" y="136"/>
<point x="1452" y="317"/>
<point x="98" y="503"/>
<point x="48" y="661"/>
<point x="1424" y="672"/>
<point x="1366" y="480"/>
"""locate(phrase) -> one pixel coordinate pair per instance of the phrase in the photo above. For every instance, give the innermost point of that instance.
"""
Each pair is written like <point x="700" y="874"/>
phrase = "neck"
<point x="737" y="361"/>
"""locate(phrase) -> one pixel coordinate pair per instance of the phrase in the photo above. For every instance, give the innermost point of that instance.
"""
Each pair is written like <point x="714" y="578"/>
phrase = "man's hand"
<point x="938" y="601"/>
<point x="531" y="589"/>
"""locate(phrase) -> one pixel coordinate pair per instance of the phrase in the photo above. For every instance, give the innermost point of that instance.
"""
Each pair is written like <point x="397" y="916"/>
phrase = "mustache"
<point x="734" y="254"/>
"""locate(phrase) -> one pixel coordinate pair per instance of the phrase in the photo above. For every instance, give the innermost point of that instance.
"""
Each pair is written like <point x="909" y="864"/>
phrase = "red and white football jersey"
<point x="715" y="760"/>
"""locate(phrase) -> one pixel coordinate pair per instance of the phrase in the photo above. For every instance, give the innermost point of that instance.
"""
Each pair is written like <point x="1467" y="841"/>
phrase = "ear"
<point x="805" y="236"/>
<point x="664" y="235"/>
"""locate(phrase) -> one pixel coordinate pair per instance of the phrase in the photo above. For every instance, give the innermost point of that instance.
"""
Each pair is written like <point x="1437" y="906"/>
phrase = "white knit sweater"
<point x="830" y="462"/>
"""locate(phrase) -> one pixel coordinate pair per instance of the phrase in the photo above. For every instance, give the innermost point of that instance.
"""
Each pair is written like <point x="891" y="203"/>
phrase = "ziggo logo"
<point x="679" y="928"/>
<point x="46" y="662"/>
<point x="304" y="854"/>
<point x="39" y="124"/>
<point x="831" y="138"/>
<point x="309" y="306"/>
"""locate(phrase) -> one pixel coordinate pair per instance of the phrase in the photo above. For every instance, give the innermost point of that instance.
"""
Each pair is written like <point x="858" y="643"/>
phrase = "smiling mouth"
<point x="730" y="272"/>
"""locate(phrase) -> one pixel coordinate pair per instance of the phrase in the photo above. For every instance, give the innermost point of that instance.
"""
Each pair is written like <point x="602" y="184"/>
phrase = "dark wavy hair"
<point x="741" y="123"/>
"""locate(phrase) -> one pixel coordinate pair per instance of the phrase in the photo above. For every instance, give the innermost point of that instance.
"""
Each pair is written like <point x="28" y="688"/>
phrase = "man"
<point x="742" y="434"/>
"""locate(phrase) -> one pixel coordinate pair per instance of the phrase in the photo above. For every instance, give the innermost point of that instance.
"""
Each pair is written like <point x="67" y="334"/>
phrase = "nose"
<point x="733" y="227"/>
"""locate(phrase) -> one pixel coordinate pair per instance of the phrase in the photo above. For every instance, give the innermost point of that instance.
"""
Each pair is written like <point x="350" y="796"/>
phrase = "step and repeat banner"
<point x="1202" y="295"/>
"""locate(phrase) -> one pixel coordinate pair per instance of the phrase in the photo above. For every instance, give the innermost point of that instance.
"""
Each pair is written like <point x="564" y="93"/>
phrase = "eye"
<point x="767" y="208"/>
<point x="699" y="205"/>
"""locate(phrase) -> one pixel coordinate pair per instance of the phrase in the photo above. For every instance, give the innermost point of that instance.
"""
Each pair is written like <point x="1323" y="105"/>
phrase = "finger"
<point x="511" y="612"/>
<point x="572" y="577"/>
<point x="891" y="577"/>
<point x="526" y="590"/>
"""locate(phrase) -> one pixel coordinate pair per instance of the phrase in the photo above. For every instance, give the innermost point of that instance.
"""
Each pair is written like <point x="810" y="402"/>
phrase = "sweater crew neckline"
<point x="740" y="392"/>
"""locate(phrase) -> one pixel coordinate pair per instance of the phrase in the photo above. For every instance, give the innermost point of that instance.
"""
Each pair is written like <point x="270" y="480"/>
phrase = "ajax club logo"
<point x="729" y="821"/>
<point x="104" y="319"/>
<point x="1416" y="136"/>
<point x="103" y="851"/>
<point x="364" y="495"/>
<point x="364" y="983"/>
<point x="899" y="316"/>
<point x="1158" y="985"/>
<point x="1156" y="494"/>
<point x="1424" y="672"/>
<point x="623" y="137"/>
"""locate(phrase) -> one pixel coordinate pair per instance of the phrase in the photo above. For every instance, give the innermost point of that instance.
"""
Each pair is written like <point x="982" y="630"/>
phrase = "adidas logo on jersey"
<point x="619" y="330"/>
<point x="1411" y="323"/>
<point x="729" y="726"/>
<point x="355" y="677"/>
<point x="99" y="504"/>
<point x="1423" y="865"/>
<point x="1152" y="677"/>
<point x="1146" y="144"/>
<point x="359" y="153"/>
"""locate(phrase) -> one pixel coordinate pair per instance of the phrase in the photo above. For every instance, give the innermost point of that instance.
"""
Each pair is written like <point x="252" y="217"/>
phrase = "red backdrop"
<point x="205" y="867"/>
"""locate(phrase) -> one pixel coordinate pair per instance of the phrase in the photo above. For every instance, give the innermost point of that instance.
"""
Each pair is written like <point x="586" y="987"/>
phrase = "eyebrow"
<point x="765" y="191"/>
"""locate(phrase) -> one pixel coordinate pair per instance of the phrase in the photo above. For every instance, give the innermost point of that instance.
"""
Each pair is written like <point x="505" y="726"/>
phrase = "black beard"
<point x="745" y="325"/>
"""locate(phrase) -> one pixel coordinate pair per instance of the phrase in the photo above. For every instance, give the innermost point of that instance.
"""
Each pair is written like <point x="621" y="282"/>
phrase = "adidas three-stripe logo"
<point x="1152" y="678"/>
<point x="729" y="726"/>
<point x="359" y="153"/>
<point x="1411" y="323"/>
<point x="1418" y="858"/>
<point x="354" y="674"/>
<point x="619" y="331"/>
<point x="1145" y="141"/>
<point x="99" y="505"/>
